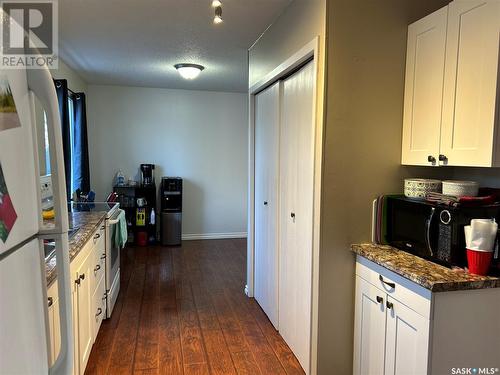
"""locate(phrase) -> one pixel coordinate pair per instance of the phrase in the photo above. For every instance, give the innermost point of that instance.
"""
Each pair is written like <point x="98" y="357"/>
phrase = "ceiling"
<point x="137" y="42"/>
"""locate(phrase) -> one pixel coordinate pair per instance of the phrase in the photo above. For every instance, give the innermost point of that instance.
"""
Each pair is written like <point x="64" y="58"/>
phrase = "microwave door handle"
<point x="428" y="231"/>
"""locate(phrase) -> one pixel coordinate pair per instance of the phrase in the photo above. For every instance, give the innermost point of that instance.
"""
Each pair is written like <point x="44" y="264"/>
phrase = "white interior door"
<point x="424" y="88"/>
<point x="470" y="86"/>
<point x="23" y="330"/>
<point x="296" y="211"/>
<point x="267" y="117"/>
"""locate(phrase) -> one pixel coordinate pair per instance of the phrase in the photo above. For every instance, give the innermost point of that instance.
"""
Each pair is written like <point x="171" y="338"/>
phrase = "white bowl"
<point x="460" y="188"/>
<point x="420" y="187"/>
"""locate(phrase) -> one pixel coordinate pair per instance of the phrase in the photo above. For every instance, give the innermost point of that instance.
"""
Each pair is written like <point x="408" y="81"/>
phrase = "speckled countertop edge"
<point x="88" y="222"/>
<point x="430" y="275"/>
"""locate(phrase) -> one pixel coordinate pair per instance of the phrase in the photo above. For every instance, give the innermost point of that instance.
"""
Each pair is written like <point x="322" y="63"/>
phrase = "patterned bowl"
<point x="460" y="188"/>
<point x="419" y="187"/>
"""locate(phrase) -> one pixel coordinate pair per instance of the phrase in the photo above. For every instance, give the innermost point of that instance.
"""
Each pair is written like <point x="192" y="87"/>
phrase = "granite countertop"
<point x="88" y="222"/>
<point x="430" y="275"/>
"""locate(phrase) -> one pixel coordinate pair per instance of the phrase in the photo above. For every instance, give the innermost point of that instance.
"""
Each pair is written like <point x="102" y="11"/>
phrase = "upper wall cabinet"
<point x="451" y="88"/>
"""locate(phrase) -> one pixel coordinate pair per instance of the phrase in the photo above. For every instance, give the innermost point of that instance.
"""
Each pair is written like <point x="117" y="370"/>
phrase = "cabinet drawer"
<point x="403" y="290"/>
<point x="98" y="306"/>
<point x="98" y="239"/>
<point x="98" y="269"/>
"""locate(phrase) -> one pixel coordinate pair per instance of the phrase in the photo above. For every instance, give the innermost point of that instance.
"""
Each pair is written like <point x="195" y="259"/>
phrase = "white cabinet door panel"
<point x="267" y="117"/>
<point x="407" y="341"/>
<point x="296" y="211"/>
<point x="369" y="329"/>
<point x="424" y="88"/>
<point x="470" y="85"/>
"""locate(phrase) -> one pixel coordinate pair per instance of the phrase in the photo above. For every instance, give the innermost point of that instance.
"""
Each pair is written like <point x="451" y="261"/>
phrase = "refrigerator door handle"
<point x="41" y="83"/>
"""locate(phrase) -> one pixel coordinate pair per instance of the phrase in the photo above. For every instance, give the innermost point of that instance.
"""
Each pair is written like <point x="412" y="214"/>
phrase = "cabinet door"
<point x="84" y="308"/>
<point x="267" y="107"/>
<point x="470" y="86"/>
<point x="296" y="211"/>
<point x="407" y="341"/>
<point x="98" y="307"/>
<point x="369" y="329"/>
<point x="74" y="303"/>
<point x="424" y="88"/>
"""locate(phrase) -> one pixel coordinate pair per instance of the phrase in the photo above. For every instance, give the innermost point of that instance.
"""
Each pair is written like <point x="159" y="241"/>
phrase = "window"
<point x="72" y="140"/>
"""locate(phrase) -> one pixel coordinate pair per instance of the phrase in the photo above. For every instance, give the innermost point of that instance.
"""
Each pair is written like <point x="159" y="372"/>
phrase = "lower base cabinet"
<point x="88" y="298"/>
<point x="401" y="328"/>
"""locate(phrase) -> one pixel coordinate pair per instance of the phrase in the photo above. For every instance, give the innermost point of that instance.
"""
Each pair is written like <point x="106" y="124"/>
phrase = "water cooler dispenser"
<point x="171" y="211"/>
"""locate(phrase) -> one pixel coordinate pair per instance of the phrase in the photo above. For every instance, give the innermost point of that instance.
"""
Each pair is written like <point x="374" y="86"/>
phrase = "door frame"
<point x="311" y="50"/>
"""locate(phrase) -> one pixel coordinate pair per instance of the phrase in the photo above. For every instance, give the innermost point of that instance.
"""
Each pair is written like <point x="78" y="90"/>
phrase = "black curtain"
<point x="62" y="97"/>
<point x="81" y="170"/>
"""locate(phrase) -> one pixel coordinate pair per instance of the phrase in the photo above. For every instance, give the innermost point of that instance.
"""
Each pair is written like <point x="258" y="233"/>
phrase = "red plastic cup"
<point x="479" y="261"/>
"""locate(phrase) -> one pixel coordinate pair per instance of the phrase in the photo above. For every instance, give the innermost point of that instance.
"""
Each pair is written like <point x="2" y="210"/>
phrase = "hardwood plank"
<point x="197" y="369"/>
<point x="245" y="363"/>
<point x="183" y="311"/>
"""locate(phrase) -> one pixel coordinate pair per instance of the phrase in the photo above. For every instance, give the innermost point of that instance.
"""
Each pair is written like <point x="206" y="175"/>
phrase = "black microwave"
<point x="433" y="231"/>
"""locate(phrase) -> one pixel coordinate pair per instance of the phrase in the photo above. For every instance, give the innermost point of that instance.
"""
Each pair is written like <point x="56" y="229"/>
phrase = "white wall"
<point x="200" y="136"/>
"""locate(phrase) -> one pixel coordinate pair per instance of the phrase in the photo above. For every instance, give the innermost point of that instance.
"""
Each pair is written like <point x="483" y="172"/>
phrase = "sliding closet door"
<point x="296" y="212"/>
<point x="266" y="200"/>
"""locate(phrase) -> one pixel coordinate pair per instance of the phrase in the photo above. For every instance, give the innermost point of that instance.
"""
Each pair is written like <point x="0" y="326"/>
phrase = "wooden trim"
<point x="213" y="236"/>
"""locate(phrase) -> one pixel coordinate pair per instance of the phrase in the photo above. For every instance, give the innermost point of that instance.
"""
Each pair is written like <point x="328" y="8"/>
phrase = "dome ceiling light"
<point x="189" y="71"/>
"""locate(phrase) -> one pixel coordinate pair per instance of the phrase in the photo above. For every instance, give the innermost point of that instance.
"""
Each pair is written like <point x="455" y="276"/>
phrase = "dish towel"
<point x="119" y="236"/>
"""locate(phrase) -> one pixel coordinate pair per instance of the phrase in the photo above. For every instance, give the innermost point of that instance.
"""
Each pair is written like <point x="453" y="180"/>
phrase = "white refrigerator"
<point x="24" y="328"/>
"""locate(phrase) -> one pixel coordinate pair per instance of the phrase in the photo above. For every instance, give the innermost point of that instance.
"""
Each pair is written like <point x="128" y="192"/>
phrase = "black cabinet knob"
<point x="265" y="203"/>
<point x="389" y="305"/>
<point x="442" y="157"/>
<point x="431" y="159"/>
<point x="292" y="215"/>
<point x="380" y="299"/>
<point x="50" y="301"/>
<point x="391" y="285"/>
<point x="82" y="276"/>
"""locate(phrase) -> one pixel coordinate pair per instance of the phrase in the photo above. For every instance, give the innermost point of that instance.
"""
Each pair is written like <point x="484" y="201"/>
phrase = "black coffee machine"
<point x="147" y="174"/>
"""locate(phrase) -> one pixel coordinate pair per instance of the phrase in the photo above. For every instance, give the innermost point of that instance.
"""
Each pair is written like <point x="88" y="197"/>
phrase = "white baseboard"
<point x="214" y="236"/>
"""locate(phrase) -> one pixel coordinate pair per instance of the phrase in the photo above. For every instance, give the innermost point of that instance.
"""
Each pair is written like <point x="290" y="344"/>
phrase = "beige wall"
<point x="301" y="21"/>
<point x="366" y="51"/>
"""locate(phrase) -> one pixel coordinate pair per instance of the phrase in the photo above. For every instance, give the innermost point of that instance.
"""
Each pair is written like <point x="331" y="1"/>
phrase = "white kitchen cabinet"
<point x="402" y="328"/>
<point x="84" y="309"/>
<point x="267" y="125"/>
<point x="370" y="329"/>
<point x="88" y="294"/>
<point x="424" y="88"/>
<point x="407" y="339"/>
<point x="469" y="135"/>
<point x="451" y="87"/>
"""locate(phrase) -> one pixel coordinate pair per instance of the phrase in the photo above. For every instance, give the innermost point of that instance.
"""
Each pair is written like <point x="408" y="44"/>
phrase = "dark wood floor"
<point x="183" y="311"/>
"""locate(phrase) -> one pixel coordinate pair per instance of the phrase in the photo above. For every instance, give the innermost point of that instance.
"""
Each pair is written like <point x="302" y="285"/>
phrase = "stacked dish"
<point x="420" y="187"/>
<point x="460" y="188"/>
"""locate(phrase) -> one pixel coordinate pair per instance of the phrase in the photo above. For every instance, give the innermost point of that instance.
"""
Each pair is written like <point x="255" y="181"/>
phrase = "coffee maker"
<point x="147" y="174"/>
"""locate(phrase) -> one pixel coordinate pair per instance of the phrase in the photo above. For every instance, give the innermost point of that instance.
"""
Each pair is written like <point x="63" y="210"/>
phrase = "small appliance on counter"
<point x="430" y="230"/>
<point x="171" y="211"/>
<point x="147" y="174"/>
